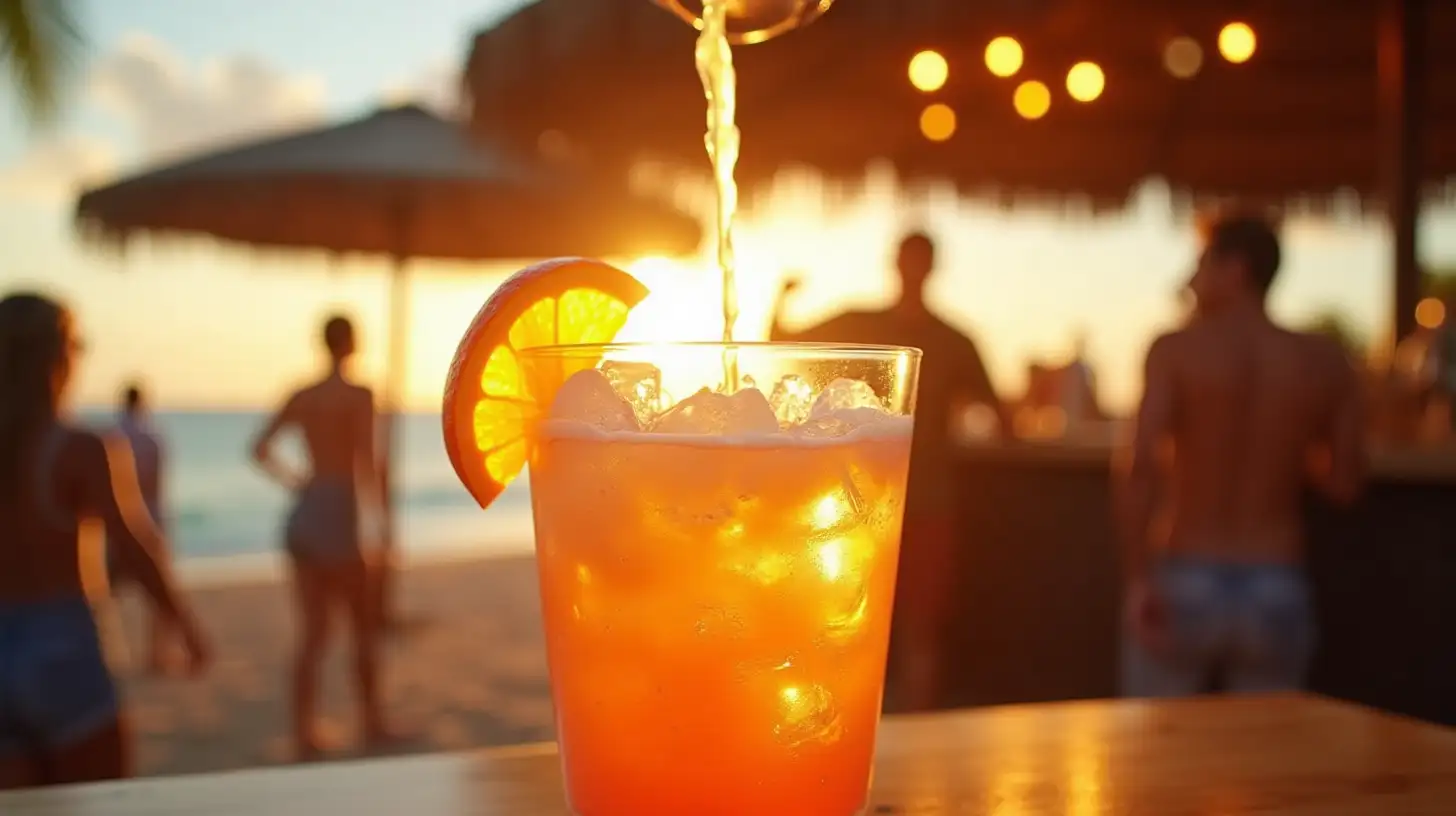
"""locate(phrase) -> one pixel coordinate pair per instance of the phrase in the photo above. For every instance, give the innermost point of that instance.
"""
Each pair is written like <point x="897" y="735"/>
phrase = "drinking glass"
<point x="717" y="573"/>
<point x="753" y="21"/>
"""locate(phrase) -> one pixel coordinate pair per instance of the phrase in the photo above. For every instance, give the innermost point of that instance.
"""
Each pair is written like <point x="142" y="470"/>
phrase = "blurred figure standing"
<point x="1244" y="413"/>
<point x="61" y="719"/>
<point x="134" y="425"/>
<point x="324" y="535"/>
<point x="952" y="378"/>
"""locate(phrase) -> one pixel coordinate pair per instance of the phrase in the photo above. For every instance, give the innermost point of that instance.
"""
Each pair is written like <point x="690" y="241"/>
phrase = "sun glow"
<point x="683" y="304"/>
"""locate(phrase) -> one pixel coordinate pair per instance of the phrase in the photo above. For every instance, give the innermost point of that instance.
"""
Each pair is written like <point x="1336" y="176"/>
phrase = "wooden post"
<point x="396" y="377"/>
<point x="1401" y="55"/>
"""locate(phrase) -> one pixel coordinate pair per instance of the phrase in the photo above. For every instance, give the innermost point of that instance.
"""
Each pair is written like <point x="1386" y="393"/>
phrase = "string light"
<point x="1183" y="57"/>
<point x="1430" y="313"/>
<point x="938" y="122"/>
<point x="929" y="71"/>
<point x="1236" y="42"/>
<point x="1032" y="99"/>
<point x="1004" y="56"/>
<point x="1085" y="81"/>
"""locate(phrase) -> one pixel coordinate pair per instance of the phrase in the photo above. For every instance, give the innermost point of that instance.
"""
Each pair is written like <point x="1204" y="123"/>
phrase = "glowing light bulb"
<point x="1004" y="56"/>
<point x="929" y="71"/>
<point x="1236" y="42"/>
<point x="1183" y="57"/>
<point x="1430" y="313"/>
<point x="1085" y="81"/>
<point x="938" y="122"/>
<point x="1032" y="99"/>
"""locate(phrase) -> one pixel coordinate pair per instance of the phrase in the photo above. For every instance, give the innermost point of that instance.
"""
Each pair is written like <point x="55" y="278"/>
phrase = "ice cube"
<point x="638" y="383"/>
<point x="588" y="397"/>
<point x="808" y="714"/>
<point x="751" y="413"/>
<point x="709" y="412"/>
<point x="791" y="399"/>
<point x="840" y="422"/>
<point x="845" y="394"/>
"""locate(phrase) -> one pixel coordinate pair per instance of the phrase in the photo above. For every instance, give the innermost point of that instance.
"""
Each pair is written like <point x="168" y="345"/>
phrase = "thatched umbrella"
<point x="1353" y="97"/>
<point x="400" y="182"/>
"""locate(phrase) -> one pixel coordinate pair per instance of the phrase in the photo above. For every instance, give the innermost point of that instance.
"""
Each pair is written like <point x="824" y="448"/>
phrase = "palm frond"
<point x="38" y="39"/>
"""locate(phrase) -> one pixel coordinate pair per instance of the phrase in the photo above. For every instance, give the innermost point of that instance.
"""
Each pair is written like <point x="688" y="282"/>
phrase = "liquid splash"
<point x="714" y="57"/>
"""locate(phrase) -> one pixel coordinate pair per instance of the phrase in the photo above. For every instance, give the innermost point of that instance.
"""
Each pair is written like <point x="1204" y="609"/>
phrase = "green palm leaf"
<point x="38" y="39"/>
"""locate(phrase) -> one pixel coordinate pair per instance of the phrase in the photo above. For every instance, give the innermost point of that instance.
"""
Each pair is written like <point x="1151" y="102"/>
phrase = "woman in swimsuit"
<point x="60" y="717"/>
<point x="323" y="535"/>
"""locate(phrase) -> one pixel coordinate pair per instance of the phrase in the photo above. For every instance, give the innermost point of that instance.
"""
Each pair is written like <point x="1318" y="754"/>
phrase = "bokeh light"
<point x="1183" y="57"/>
<point x="1236" y="42"/>
<point x="1004" y="56"/>
<point x="929" y="71"/>
<point x="1032" y="99"/>
<point x="1430" y="313"/>
<point x="1085" y="81"/>
<point x="938" y="122"/>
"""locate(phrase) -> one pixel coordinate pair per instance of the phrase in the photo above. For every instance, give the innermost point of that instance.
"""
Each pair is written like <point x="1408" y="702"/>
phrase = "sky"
<point x="207" y="325"/>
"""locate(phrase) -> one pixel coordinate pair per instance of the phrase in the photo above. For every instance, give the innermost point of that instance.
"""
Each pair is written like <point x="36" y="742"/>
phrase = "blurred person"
<point x="135" y="426"/>
<point x="952" y="377"/>
<point x="61" y="719"/>
<point x="1077" y="385"/>
<point x="1243" y="413"/>
<point x="324" y="534"/>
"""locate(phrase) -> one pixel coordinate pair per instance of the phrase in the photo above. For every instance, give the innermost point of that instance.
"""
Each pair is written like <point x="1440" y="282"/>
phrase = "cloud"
<point x="176" y="108"/>
<point x="58" y="168"/>
<point x="172" y="108"/>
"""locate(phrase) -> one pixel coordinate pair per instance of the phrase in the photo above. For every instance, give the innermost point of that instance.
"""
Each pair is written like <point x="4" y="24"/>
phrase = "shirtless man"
<point x="323" y="536"/>
<point x="1246" y="413"/>
<point x="951" y="375"/>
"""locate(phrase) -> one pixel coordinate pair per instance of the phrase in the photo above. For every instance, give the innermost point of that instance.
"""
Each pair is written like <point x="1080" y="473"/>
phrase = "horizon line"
<point x="204" y="408"/>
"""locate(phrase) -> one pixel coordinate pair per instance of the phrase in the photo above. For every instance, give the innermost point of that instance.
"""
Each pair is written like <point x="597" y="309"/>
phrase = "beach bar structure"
<point x="1302" y="105"/>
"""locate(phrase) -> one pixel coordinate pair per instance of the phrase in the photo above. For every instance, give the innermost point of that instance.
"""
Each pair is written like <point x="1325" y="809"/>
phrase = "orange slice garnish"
<point x="491" y="404"/>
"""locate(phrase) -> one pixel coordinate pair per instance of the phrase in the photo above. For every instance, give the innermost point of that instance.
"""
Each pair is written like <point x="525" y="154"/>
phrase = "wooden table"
<point x="1211" y="757"/>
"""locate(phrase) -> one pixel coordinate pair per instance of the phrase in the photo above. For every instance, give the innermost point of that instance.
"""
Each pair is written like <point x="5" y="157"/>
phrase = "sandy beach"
<point x="473" y="675"/>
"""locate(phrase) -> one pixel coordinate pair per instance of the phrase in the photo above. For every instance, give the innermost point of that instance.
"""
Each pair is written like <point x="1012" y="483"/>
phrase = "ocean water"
<point x="222" y="510"/>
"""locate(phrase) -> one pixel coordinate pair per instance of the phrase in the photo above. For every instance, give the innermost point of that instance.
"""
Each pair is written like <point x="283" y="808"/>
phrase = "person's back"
<point x="329" y="415"/>
<point x="48" y="553"/>
<point x="323" y="534"/>
<point x="60" y="717"/>
<point x="1250" y="413"/>
<point x="1255" y="401"/>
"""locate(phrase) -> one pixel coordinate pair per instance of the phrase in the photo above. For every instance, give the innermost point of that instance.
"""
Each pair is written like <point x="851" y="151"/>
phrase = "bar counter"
<point x="1285" y="755"/>
<point x="1040" y="582"/>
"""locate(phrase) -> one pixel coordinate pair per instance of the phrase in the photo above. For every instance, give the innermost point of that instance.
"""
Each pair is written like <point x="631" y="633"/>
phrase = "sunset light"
<point x="630" y="383"/>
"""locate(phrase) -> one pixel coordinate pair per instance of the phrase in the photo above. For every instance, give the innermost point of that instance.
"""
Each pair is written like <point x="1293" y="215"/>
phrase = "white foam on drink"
<point x="588" y="406"/>
<point x="889" y="428"/>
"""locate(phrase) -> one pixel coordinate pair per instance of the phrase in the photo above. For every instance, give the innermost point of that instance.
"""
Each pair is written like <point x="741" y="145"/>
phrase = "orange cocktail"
<point x="717" y="578"/>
